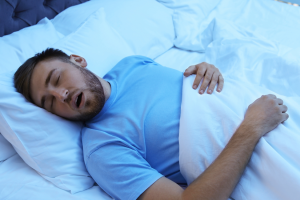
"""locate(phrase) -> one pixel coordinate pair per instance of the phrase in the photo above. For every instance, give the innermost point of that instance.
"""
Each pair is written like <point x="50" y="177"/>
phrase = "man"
<point x="130" y="140"/>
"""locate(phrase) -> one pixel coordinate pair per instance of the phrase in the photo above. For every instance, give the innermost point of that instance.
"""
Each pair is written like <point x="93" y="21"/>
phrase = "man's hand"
<point x="210" y="74"/>
<point x="265" y="114"/>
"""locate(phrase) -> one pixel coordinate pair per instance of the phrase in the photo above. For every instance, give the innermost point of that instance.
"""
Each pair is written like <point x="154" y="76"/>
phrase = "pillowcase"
<point x="49" y="144"/>
<point x="6" y="150"/>
<point x="97" y="42"/>
<point x="193" y="22"/>
<point x="17" y="47"/>
<point x="146" y="25"/>
<point x="20" y="182"/>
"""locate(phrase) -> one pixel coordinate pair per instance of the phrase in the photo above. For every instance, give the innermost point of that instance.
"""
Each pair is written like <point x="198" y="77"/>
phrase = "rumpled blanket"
<point x="252" y="66"/>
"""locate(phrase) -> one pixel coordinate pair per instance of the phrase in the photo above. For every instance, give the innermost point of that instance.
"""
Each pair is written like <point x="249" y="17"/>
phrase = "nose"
<point x="60" y="93"/>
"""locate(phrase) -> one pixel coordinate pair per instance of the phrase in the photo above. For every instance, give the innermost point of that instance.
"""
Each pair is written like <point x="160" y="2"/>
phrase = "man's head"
<point x="61" y="84"/>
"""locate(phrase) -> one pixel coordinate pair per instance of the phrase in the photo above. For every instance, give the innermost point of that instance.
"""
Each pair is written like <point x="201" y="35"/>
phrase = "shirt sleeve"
<point x="121" y="171"/>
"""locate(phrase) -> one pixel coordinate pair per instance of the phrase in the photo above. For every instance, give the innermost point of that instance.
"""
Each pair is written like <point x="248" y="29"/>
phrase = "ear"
<point x="78" y="60"/>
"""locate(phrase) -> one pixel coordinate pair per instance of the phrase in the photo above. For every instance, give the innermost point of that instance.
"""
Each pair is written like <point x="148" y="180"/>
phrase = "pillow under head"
<point x="6" y="150"/>
<point x="49" y="144"/>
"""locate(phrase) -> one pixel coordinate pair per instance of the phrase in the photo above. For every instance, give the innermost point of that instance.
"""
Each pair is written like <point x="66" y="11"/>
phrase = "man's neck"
<point x="106" y="87"/>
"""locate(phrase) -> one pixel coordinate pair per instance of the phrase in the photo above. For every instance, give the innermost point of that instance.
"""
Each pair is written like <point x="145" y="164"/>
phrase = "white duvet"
<point x="252" y="66"/>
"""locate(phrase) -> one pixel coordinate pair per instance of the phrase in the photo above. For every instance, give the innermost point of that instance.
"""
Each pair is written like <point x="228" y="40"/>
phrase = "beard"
<point x="95" y="104"/>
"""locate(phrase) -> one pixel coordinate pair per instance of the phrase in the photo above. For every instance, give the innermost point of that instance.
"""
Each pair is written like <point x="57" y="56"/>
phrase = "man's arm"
<point x="221" y="177"/>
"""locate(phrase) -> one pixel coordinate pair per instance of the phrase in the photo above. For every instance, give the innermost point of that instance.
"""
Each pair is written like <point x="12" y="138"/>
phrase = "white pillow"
<point x="17" y="47"/>
<point x="146" y="25"/>
<point x="97" y="42"/>
<point x="192" y="22"/>
<point x="19" y="182"/>
<point x="47" y="143"/>
<point x="6" y="150"/>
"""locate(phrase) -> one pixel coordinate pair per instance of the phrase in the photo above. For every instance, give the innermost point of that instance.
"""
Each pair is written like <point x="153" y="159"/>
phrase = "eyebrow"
<point x="46" y="85"/>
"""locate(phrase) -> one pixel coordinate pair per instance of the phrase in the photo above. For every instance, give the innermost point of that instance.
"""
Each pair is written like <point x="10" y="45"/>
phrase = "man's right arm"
<point x="220" y="178"/>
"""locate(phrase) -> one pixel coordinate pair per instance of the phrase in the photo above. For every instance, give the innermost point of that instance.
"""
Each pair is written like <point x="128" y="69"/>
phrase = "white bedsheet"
<point x="208" y="122"/>
<point x="19" y="181"/>
<point x="179" y="59"/>
<point x="252" y="64"/>
<point x="276" y="21"/>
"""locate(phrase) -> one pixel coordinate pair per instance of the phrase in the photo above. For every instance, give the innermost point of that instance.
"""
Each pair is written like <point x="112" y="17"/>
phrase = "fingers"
<point x="285" y="116"/>
<point x="221" y="83"/>
<point x="213" y="82"/>
<point x="283" y="108"/>
<point x="209" y="74"/>
<point x="206" y="80"/>
<point x="279" y="101"/>
<point x="199" y="76"/>
<point x="190" y="70"/>
<point x="271" y="95"/>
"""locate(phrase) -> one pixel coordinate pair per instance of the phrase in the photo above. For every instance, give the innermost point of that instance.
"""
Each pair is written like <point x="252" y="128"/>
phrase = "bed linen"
<point x="41" y="141"/>
<point x="188" y="17"/>
<point x="180" y="59"/>
<point x="146" y="25"/>
<point x="6" y="149"/>
<point x="19" y="181"/>
<point x="95" y="40"/>
<point x="263" y="27"/>
<point x="252" y="65"/>
<point x="37" y="141"/>
<point x="274" y="20"/>
<point x="279" y="22"/>
<point x="207" y="124"/>
<point x="15" y="48"/>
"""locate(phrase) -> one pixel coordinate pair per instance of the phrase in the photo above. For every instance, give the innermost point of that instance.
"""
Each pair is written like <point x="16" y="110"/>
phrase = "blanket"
<point x="252" y="66"/>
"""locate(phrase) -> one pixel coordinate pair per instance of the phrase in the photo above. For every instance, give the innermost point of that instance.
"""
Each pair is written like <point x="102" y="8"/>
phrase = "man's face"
<point x="67" y="89"/>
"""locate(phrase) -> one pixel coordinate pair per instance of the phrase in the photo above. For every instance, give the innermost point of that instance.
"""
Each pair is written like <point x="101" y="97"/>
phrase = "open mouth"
<point x="78" y="100"/>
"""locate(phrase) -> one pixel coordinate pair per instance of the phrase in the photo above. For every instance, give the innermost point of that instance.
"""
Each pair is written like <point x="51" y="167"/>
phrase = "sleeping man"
<point x="131" y="116"/>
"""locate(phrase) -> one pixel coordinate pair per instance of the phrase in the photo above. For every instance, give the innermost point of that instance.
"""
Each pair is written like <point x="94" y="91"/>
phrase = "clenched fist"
<point x="265" y="114"/>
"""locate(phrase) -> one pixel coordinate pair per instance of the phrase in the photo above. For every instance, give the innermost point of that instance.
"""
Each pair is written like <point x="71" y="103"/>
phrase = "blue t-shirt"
<point x="133" y="141"/>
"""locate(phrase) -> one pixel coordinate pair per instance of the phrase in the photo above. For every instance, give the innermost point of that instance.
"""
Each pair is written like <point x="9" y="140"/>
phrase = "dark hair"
<point x="22" y="76"/>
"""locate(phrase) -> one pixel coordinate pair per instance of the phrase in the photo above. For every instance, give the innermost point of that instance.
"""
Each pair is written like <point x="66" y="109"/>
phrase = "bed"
<point x="175" y="34"/>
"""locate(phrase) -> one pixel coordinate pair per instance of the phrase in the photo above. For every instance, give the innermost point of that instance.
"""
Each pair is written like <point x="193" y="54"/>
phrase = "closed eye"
<point x="57" y="81"/>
